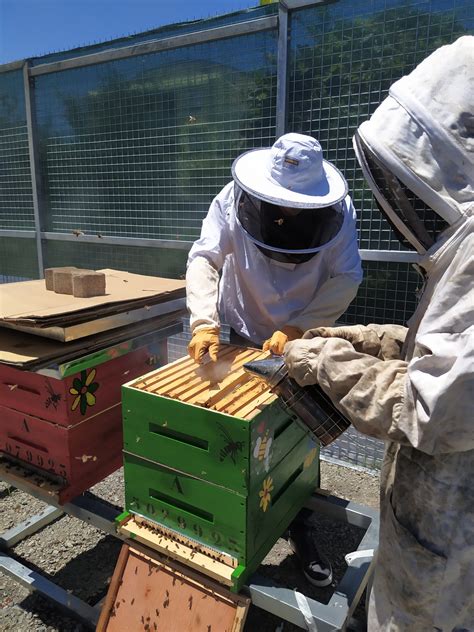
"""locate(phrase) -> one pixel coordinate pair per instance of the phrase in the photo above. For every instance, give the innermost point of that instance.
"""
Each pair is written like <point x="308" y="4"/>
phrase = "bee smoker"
<point x="310" y="404"/>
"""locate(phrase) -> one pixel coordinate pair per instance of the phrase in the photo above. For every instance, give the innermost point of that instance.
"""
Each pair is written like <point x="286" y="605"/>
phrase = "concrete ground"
<point x="81" y="559"/>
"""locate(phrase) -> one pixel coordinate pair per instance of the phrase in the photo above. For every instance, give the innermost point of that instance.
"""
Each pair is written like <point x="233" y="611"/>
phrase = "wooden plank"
<point x="238" y="379"/>
<point x="189" y="366"/>
<point x="259" y="390"/>
<point x="113" y="589"/>
<point x="159" y="374"/>
<point x="181" y="552"/>
<point x="151" y="593"/>
<point x="253" y="405"/>
<point x="240" y="617"/>
<point x="192" y="372"/>
<point x="190" y="390"/>
<point x="160" y="529"/>
<point x="233" y="396"/>
<point x="29" y="478"/>
<point x="234" y="372"/>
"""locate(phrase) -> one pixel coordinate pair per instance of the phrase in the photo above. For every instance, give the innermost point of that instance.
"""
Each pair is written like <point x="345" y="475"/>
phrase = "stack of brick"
<point x="75" y="281"/>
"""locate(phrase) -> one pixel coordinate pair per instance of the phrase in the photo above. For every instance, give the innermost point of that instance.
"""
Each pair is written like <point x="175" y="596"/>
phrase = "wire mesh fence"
<point x="134" y="146"/>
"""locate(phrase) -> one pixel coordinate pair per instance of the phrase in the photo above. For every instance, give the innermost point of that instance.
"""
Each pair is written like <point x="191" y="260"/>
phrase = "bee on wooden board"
<point x="231" y="447"/>
<point x="53" y="398"/>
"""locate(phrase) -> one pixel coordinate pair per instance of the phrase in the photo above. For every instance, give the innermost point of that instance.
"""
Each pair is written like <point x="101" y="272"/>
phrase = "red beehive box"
<point x="70" y="400"/>
<point x="66" y="421"/>
<point x="80" y="455"/>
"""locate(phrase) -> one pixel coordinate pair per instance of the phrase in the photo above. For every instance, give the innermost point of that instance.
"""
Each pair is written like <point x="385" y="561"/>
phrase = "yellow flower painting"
<point x="83" y="390"/>
<point x="265" y="493"/>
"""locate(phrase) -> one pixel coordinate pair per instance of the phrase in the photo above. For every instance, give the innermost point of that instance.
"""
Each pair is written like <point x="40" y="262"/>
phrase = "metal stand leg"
<point x="35" y="582"/>
<point x="87" y="508"/>
<point x="28" y="527"/>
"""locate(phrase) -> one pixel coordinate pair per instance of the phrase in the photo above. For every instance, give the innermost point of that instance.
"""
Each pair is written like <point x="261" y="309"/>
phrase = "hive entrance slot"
<point x="286" y="485"/>
<point x="282" y="427"/>
<point x="180" y="504"/>
<point x="182" y="437"/>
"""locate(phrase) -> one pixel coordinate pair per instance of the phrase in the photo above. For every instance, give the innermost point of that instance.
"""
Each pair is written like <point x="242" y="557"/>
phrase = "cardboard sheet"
<point x="29" y="351"/>
<point x="29" y="300"/>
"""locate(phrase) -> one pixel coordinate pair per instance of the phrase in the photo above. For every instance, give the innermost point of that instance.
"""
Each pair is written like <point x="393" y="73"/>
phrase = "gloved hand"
<point x="204" y="340"/>
<point x="276" y="344"/>
<point x="380" y="341"/>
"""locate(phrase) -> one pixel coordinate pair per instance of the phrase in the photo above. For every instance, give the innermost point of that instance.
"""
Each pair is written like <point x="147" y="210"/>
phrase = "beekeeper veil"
<point x="289" y="199"/>
<point x="417" y="149"/>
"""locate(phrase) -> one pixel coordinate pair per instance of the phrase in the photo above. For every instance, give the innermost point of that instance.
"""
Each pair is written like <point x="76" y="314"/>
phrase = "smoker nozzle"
<point x="272" y="370"/>
<point x="312" y="407"/>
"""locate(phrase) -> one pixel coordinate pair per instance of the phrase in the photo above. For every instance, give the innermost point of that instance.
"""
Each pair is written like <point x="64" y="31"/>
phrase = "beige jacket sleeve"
<point x="425" y="403"/>
<point x="381" y="341"/>
<point x="366" y="389"/>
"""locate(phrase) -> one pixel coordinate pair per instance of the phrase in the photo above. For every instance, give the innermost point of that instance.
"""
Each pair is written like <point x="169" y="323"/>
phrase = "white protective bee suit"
<point x="255" y="294"/>
<point x="421" y="404"/>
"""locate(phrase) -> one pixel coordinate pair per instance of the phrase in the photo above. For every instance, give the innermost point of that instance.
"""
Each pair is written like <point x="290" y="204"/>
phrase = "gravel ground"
<point x="81" y="559"/>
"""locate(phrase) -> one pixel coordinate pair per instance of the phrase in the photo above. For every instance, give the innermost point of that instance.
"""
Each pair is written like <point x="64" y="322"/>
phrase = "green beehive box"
<point x="211" y="455"/>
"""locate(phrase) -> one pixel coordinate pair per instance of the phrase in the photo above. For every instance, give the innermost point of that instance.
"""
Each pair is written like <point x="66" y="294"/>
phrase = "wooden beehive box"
<point x="211" y="456"/>
<point x="67" y="423"/>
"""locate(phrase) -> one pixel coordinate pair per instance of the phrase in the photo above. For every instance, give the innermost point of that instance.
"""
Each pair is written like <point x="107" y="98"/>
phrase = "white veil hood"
<point x="423" y="131"/>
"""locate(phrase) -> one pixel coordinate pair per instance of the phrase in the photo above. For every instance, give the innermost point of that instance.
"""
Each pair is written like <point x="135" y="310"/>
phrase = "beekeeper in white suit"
<point x="417" y="154"/>
<point x="278" y="249"/>
<point x="277" y="255"/>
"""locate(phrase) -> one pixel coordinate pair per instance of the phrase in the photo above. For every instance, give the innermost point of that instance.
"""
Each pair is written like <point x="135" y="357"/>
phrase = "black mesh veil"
<point x="399" y="202"/>
<point x="287" y="235"/>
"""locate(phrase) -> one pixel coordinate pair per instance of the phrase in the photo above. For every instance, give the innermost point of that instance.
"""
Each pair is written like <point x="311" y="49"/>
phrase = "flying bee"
<point x="262" y="447"/>
<point x="54" y="398"/>
<point x="231" y="447"/>
<point x="279" y="221"/>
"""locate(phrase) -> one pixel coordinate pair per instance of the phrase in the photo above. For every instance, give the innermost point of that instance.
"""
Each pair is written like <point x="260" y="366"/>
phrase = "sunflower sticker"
<point x="83" y="389"/>
<point x="265" y="493"/>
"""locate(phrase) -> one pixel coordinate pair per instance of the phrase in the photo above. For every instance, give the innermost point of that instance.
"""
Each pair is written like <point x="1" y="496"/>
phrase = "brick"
<point x="86" y="284"/>
<point x="62" y="278"/>
<point x="49" y="275"/>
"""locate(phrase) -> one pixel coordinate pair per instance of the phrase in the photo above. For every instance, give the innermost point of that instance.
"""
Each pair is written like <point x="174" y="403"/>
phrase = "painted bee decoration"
<point x="231" y="447"/>
<point x="262" y="448"/>
<point x="54" y="398"/>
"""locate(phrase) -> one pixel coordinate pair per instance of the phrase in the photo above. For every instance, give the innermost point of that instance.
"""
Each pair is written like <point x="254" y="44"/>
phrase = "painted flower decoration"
<point x="310" y="458"/>
<point x="265" y="493"/>
<point x="84" y="388"/>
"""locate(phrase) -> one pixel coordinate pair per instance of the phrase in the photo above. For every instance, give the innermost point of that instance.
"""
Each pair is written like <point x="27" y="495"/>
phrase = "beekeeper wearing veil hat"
<point x="277" y="255"/>
<point x="417" y="154"/>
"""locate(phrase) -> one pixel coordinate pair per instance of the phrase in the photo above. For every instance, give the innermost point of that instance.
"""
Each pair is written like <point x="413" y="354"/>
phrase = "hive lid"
<point x="152" y="594"/>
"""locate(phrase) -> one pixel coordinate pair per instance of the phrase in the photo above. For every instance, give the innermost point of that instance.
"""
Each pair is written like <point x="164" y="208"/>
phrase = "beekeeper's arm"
<point x="334" y="296"/>
<point x="205" y="262"/>
<point x="426" y="403"/>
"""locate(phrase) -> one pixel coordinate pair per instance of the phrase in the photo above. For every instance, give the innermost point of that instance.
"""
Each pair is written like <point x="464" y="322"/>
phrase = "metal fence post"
<point x="38" y="198"/>
<point x="282" y="70"/>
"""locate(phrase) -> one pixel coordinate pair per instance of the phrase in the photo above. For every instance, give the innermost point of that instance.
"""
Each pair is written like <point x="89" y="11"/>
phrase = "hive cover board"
<point x="150" y="594"/>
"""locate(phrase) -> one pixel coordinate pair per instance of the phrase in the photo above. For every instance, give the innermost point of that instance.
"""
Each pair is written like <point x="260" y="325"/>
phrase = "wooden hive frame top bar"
<point x="223" y="386"/>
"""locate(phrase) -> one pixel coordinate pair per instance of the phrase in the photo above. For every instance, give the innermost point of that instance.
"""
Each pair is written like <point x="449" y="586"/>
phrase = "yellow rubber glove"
<point x="203" y="341"/>
<point x="276" y="344"/>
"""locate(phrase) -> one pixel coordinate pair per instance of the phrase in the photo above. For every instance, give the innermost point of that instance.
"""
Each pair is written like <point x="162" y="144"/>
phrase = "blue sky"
<point x="34" y="27"/>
